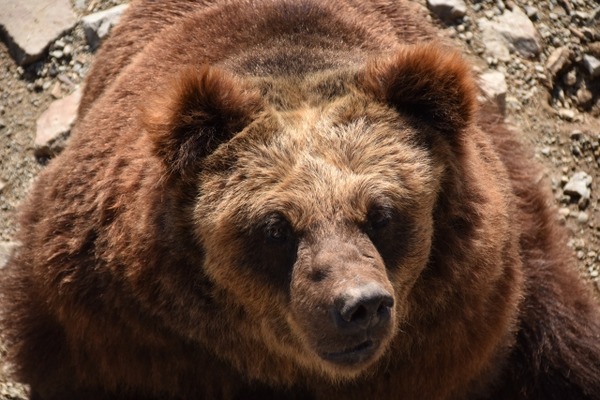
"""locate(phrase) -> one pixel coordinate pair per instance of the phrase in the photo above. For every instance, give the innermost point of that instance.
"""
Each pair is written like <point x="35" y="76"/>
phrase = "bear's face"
<point x="315" y="216"/>
<point x="324" y="220"/>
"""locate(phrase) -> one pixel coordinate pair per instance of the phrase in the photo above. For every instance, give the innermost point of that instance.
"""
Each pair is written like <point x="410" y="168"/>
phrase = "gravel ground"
<point x="552" y="98"/>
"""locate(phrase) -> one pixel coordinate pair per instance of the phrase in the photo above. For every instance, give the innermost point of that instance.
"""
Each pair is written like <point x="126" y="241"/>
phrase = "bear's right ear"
<point x="199" y="110"/>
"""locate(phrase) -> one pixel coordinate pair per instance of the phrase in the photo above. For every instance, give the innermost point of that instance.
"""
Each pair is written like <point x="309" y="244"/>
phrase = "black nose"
<point x="362" y="307"/>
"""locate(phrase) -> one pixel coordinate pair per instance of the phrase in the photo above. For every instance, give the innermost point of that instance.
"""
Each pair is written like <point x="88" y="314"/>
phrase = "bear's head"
<point x="316" y="195"/>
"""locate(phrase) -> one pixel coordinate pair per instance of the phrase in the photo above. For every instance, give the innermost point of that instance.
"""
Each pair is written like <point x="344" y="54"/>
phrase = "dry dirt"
<point x="563" y="144"/>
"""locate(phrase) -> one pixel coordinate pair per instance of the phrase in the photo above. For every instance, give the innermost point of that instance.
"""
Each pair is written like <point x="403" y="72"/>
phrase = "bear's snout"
<point x="346" y="315"/>
<point x="366" y="307"/>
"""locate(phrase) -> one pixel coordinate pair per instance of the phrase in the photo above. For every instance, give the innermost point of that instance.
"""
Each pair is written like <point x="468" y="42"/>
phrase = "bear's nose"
<point x="362" y="307"/>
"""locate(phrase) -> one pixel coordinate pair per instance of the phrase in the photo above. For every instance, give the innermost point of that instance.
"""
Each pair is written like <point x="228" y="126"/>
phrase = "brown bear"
<point x="292" y="199"/>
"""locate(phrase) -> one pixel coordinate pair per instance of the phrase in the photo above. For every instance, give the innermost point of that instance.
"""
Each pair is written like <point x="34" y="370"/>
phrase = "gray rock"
<point x="30" y="26"/>
<point x="592" y="65"/>
<point x="54" y="125"/>
<point x="6" y="249"/>
<point x="519" y="32"/>
<point x="495" y="44"/>
<point x="448" y="10"/>
<point x="578" y="186"/>
<point x="512" y="31"/>
<point x="493" y="85"/>
<point x="98" y="25"/>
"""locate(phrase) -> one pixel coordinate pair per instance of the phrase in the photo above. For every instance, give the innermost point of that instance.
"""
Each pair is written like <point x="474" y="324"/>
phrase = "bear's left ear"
<point x="199" y="110"/>
<point x="427" y="82"/>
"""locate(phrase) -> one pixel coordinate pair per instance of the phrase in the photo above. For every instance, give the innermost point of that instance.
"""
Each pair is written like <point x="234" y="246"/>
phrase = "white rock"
<point x="448" y="10"/>
<point x="566" y="114"/>
<point x="583" y="217"/>
<point x="98" y="25"/>
<point x="54" y="125"/>
<point x="564" y="212"/>
<point x="494" y="88"/>
<point x="578" y="185"/>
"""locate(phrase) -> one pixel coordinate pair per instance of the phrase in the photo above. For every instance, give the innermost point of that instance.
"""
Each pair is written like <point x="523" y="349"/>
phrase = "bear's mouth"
<point x="353" y="355"/>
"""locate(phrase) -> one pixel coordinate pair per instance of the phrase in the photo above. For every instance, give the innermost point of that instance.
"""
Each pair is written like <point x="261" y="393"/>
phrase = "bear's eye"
<point x="379" y="217"/>
<point x="277" y="229"/>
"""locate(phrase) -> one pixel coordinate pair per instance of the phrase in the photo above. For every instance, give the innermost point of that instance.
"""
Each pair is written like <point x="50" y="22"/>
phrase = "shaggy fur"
<point x="292" y="199"/>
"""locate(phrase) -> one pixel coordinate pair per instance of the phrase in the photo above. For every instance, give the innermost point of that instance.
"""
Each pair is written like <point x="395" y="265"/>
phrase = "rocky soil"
<point x="540" y="61"/>
<point x="537" y="60"/>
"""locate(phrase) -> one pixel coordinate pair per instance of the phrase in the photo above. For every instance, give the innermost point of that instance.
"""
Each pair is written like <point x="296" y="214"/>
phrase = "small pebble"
<point x="564" y="212"/>
<point x="583" y="217"/>
<point x="68" y="50"/>
<point x="531" y="12"/>
<point x="576" y="135"/>
<point x="570" y="78"/>
<point x="566" y="114"/>
<point x="58" y="54"/>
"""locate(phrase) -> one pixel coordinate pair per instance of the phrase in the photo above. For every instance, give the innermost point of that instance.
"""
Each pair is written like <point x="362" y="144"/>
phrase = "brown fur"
<point x="233" y="182"/>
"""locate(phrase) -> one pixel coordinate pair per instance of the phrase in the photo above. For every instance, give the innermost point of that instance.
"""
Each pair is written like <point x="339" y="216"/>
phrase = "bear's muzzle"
<point x="344" y="302"/>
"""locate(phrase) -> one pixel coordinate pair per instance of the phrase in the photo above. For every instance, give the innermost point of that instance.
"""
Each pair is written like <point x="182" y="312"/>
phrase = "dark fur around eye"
<point x="379" y="217"/>
<point x="270" y="249"/>
<point x="390" y="231"/>
<point x="277" y="229"/>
